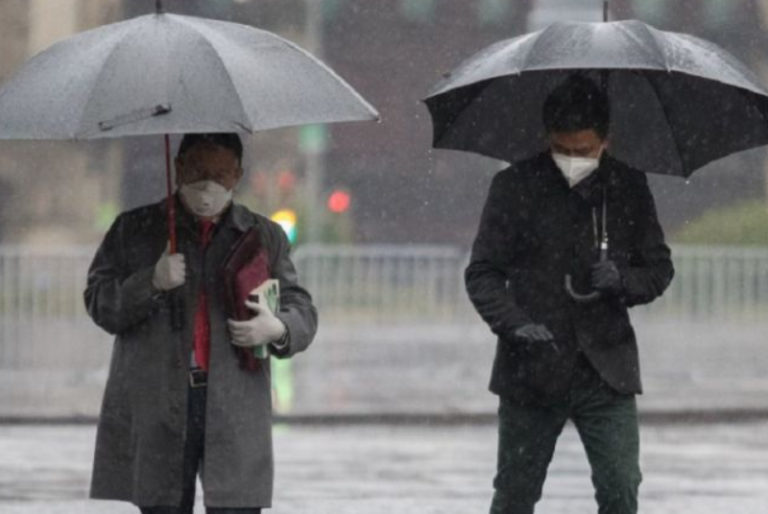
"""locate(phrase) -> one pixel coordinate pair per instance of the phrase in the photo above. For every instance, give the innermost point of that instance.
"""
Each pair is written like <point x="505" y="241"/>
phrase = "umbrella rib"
<point x="657" y="46"/>
<point x="243" y="112"/>
<point x="736" y="67"/>
<point x="462" y="112"/>
<point x="375" y="116"/>
<point x="77" y="130"/>
<point x="373" y="113"/>
<point x="525" y="63"/>
<point x="664" y="108"/>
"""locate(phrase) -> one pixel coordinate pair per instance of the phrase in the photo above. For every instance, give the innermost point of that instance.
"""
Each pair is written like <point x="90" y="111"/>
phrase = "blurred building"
<point x="51" y="192"/>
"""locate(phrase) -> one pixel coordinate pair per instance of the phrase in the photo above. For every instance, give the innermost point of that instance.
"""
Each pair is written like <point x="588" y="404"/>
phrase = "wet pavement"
<point x="404" y="469"/>
<point x="411" y="373"/>
<point x="686" y="367"/>
<point x="360" y="370"/>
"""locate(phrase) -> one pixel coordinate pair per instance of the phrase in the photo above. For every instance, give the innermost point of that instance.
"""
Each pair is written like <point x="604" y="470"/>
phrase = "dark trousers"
<point x="193" y="455"/>
<point x="607" y="425"/>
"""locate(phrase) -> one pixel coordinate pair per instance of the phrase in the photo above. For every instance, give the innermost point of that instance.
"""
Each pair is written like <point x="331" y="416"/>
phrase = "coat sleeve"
<point x="650" y="268"/>
<point x="116" y="298"/>
<point x="296" y="309"/>
<point x="491" y="261"/>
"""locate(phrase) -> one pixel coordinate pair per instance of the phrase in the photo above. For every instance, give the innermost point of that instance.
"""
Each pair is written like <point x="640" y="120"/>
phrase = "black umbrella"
<point x="677" y="102"/>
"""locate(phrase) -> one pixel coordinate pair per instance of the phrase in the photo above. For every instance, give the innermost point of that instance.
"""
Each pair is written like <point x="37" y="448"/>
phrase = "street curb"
<point x="660" y="417"/>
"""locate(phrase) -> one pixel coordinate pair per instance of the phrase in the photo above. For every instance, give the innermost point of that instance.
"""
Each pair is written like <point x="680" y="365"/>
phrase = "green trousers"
<point x="607" y="425"/>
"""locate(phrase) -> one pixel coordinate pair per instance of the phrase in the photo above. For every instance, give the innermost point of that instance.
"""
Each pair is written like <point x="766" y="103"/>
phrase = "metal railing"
<point x="43" y="321"/>
<point x="402" y="284"/>
<point x="53" y="359"/>
<point x="716" y="283"/>
<point x="385" y="284"/>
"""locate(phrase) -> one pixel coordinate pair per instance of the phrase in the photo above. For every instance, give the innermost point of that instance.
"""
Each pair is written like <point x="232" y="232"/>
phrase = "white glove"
<point x="170" y="271"/>
<point x="263" y="328"/>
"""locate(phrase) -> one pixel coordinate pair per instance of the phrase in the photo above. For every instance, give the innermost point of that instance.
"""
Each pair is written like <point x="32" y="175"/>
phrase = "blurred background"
<point x="380" y="222"/>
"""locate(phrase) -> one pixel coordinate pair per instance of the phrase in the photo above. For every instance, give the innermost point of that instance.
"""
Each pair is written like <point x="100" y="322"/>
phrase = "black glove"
<point x="532" y="332"/>
<point x="606" y="277"/>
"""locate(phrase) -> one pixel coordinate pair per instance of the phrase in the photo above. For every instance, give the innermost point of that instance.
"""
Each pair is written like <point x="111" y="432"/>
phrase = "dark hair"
<point x="228" y="140"/>
<point x="577" y="104"/>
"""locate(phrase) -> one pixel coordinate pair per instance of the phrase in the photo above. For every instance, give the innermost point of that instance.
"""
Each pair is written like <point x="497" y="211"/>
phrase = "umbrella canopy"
<point x="164" y="73"/>
<point x="677" y="102"/>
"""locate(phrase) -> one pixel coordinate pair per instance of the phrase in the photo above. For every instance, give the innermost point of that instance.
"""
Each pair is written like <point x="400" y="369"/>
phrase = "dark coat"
<point x="139" y="447"/>
<point x="534" y="230"/>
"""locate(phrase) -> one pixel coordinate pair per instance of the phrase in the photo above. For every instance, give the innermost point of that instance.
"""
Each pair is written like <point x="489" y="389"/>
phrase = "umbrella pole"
<point x="176" y="306"/>
<point x="604" y="73"/>
<point x="171" y="202"/>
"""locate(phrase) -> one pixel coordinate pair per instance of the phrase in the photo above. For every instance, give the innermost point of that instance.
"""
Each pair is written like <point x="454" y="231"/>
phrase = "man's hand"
<point x="606" y="277"/>
<point x="263" y="328"/>
<point x="170" y="271"/>
<point x="533" y="333"/>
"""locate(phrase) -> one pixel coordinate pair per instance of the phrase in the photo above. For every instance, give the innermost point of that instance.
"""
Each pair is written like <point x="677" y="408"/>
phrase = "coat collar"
<point x="238" y="218"/>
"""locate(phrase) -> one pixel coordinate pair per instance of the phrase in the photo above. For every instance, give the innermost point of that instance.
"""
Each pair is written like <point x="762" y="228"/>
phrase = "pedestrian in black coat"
<point x="573" y="212"/>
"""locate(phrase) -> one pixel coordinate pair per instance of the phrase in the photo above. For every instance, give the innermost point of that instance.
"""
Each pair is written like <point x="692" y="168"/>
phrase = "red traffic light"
<point x="339" y="201"/>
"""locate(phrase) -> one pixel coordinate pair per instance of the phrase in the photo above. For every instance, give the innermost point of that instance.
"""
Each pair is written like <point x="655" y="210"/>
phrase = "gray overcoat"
<point x="141" y="432"/>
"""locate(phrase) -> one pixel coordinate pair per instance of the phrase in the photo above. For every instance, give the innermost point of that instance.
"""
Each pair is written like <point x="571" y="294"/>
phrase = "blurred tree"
<point x="511" y="14"/>
<point x="422" y="11"/>
<point x="745" y="223"/>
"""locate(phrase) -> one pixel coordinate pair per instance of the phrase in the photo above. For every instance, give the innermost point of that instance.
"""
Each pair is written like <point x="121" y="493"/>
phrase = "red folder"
<point x="245" y="268"/>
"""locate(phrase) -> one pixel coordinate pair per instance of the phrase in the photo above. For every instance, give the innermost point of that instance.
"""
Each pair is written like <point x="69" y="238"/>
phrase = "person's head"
<point x="576" y="116"/>
<point x="208" y="167"/>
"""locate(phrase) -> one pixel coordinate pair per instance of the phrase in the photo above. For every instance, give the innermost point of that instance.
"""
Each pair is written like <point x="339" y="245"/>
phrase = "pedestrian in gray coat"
<point x="179" y="399"/>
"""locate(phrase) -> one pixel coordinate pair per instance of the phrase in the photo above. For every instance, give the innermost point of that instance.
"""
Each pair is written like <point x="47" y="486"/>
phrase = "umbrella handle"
<point x="580" y="298"/>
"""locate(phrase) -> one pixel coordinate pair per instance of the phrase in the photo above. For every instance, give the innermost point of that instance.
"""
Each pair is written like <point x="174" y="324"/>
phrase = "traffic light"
<point x="286" y="181"/>
<point x="286" y="218"/>
<point x="339" y="201"/>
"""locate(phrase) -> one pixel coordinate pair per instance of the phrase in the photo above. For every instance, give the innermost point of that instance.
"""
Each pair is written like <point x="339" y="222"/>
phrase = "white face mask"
<point x="576" y="169"/>
<point x="205" y="198"/>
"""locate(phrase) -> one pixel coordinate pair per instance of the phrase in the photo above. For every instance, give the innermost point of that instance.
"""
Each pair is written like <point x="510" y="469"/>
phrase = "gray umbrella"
<point x="164" y="73"/>
<point x="677" y="102"/>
